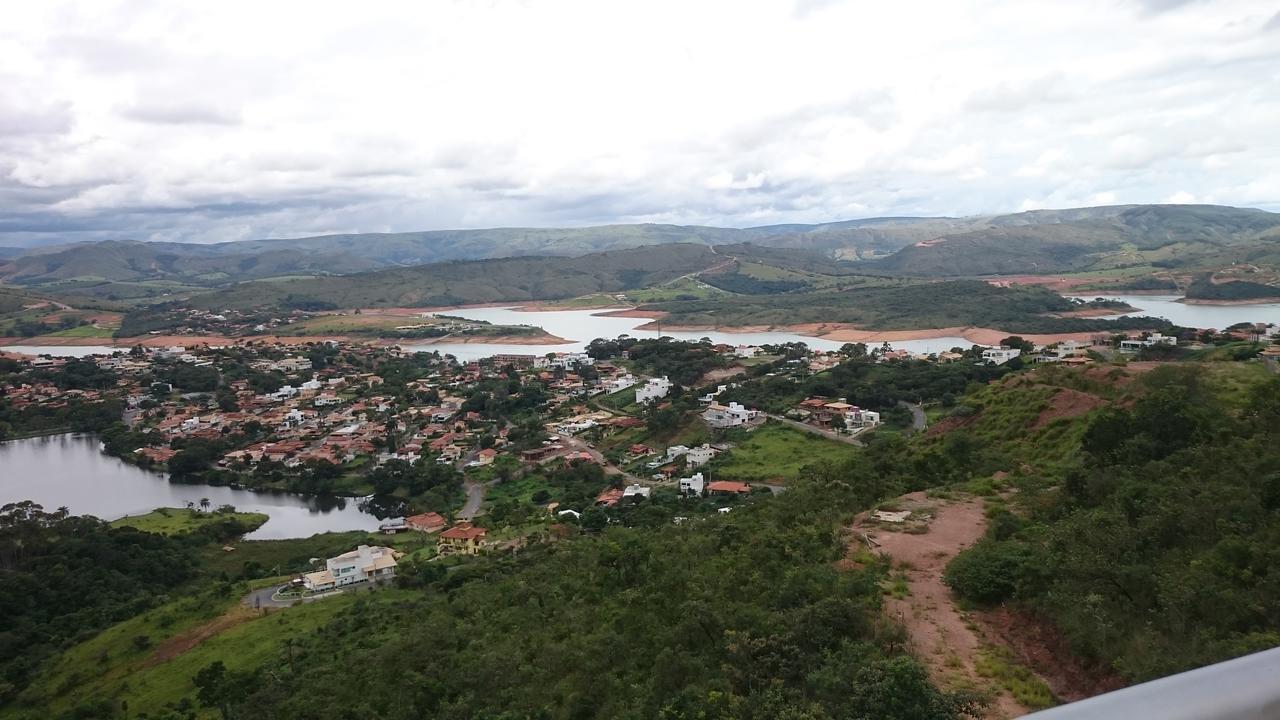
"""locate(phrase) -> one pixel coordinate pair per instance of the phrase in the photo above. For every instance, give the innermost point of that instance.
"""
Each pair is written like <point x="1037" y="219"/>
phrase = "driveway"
<point x="264" y="597"/>
<point x="918" y="419"/>
<point x="475" y="498"/>
<point x="829" y="434"/>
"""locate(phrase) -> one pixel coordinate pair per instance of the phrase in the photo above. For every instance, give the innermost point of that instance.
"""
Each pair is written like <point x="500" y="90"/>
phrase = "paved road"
<point x="918" y="419"/>
<point x="475" y="497"/>
<point x="262" y="598"/>
<point x="829" y="434"/>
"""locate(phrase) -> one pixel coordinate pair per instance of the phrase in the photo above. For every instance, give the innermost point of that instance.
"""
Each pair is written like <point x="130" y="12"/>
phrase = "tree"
<point x="204" y="503"/>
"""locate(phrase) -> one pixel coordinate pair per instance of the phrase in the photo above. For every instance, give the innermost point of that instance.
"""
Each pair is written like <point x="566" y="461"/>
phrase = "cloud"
<point x="157" y="121"/>
<point x="180" y="113"/>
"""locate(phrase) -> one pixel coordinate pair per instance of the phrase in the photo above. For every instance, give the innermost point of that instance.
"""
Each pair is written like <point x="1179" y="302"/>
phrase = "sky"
<point x="217" y="121"/>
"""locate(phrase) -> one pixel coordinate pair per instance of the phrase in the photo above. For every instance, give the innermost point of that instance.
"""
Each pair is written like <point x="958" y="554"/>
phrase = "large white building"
<point x="1152" y="339"/>
<point x="654" y="389"/>
<point x="858" y="418"/>
<point x="692" y="485"/>
<point x="728" y="416"/>
<point x="363" y="563"/>
<point x="1000" y="356"/>
<point x="566" y="361"/>
<point x="700" y="455"/>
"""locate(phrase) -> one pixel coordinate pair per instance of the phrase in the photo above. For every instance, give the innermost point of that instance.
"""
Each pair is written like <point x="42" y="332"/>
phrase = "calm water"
<point x="71" y="470"/>
<point x="1198" y="316"/>
<point x="583" y="326"/>
<point x="63" y="350"/>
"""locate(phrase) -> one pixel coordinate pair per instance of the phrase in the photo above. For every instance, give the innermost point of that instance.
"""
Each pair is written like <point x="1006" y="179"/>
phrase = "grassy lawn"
<point x="521" y="490"/>
<point x="83" y="331"/>
<point x="174" y="521"/>
<point x="664" y="293"/>
<point x="777" y="452"/>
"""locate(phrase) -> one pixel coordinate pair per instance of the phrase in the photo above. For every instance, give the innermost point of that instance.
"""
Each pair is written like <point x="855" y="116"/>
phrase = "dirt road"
<point x="940" y="635"/>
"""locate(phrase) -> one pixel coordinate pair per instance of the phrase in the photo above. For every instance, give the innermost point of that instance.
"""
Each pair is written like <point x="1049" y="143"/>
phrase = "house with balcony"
<point x="729" y="416"/>
<point x="461" y="539"/>
<point x="364" y="563"/>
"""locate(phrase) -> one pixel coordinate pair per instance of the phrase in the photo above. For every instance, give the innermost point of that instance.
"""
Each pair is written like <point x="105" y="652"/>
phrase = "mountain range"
<point x="1131" y="242"/>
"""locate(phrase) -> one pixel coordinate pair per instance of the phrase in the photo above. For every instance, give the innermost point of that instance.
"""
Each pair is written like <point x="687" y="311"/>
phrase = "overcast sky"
<point x="227" y="120"/>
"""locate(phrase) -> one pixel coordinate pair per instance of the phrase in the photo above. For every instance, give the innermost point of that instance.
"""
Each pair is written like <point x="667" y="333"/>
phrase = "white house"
<point x="654" y="389"/>
<point x="676" y="451"/>
<point x="363" y="563"/>
<point x="1152" y="339"/>
<point x="637" y="491"/>
<point x="620" y="383"/>
<point x="692" y="485"/>
<point x="727" y="416"/>
<point x="565" y="361"/>
<point x="700" y="455"/>
<point x="1000" y="355"/>
<point x="856" y="417"/>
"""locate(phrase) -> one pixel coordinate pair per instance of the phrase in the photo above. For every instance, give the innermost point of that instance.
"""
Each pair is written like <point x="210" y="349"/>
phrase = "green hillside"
<point x="1190" y="237"/>
<point x="876" y="305"/>
<point x="455" y="283"/>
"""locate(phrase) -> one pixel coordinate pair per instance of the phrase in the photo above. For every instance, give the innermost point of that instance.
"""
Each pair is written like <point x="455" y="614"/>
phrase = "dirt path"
<point x="940" y="635"/>
<point x="182" y="642"/>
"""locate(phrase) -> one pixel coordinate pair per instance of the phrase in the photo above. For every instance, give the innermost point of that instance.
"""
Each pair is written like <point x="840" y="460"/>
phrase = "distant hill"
<point x="195" y="264"/>
<point x="1183" y="238"/>
<point x="477" y="281"/>
<point x="1190" y="237"/>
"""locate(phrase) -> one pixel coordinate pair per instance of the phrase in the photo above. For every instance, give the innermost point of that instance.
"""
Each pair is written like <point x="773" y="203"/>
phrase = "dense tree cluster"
<point x="1160" y="551"/>
<point x="737" y="616"/>
<point x="65" y="577"/>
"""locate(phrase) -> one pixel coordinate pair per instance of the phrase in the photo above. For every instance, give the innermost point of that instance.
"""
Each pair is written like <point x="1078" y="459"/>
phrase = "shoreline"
<point x="844" y="332"/>
<point x="1224" y="303"/>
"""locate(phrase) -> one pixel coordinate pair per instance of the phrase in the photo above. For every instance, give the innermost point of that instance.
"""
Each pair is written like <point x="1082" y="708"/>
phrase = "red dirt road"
<point x="940" y="636"/>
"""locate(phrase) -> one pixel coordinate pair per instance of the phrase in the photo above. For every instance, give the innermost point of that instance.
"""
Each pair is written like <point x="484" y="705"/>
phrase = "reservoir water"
<point x="70" y="470"/>
<point x="1217" y="317"/>
<point x="583" y="326"/>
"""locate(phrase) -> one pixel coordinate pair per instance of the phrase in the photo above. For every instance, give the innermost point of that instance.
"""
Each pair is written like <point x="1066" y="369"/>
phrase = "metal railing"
<point x="1246" y="688"/>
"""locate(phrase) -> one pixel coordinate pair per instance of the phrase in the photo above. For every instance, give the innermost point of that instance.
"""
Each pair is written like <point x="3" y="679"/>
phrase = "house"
<point x="859" y="418"/>
<point x="363" y="563"/>
<point x="700" y="455"/>
<point x="636" y="492"/>
<point x="427" y="522"/>
<point x="1152" y="339"/>
<point x="728" y="416"/>
<point x="486" y="456"/>
<point x="463" y="538"/>
<point x="654" y="389"/>
<point x="692" y="485"/>
<point x="728" y="487"/>
<point x="1000" y="355"/>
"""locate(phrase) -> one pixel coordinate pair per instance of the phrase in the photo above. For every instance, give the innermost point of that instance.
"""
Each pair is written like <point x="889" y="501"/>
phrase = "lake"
<point x="71" y="470"/>
<point x="1197" y="316"/>
<point x="63" y="350"/>
<point x="583" y="326"/>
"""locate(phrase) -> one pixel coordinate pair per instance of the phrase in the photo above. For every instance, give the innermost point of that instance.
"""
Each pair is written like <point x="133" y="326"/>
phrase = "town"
<point x="516" y="447"/>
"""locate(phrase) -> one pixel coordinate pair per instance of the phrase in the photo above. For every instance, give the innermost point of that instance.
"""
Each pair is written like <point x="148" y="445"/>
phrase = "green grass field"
<point x="775" y="452"/>
<point x="174" y="521"/>
<point x="684" y="286"/>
